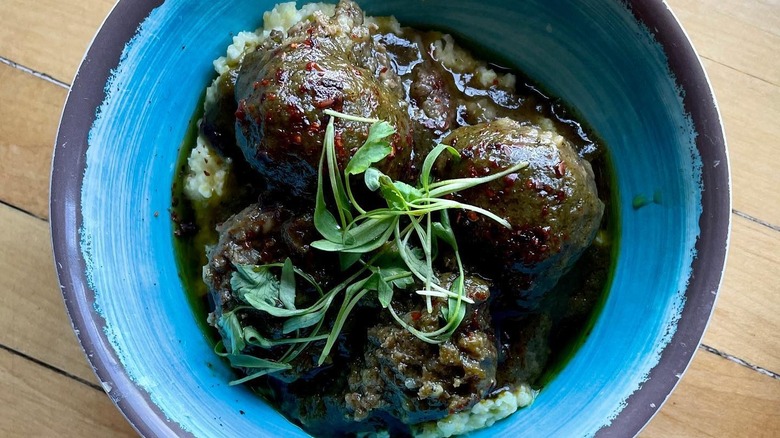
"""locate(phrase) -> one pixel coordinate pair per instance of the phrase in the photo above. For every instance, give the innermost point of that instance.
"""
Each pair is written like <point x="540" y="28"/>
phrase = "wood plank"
<point x="728" y="32"/>
<point x="30" y="115"/>
<point x="750" y="110"/>
<point x="745" y="322"/>
<point x="738" y="41"/>
<point x="719" y="398"/>
<point x="39" y="402"/>
<point x="50" y="36"/>
<point x="32" y="314"/>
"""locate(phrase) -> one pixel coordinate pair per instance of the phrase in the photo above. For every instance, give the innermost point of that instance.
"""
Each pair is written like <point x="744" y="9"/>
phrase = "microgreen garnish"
<point x="384" y="249"/>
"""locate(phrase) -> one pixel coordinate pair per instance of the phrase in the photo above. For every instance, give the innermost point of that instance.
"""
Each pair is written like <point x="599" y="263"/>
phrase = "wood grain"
<point x="32" y="314"/>
<point x="740" y="34"/>
<point x="50" y="36"/>
<point x="719" y="398"/>
<point x="745" y="322"/>
<point x="739" y="41"/>
<point x="29" y="116"/>
<point x="750" y="110"/>
<point x="39" y="402"/>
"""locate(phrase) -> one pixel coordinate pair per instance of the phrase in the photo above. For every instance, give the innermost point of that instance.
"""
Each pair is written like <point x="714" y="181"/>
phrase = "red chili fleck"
<point x="241" y="111"/>
<point x="296" y="138"/>
<point x="384" y="69"/>
<point x="264" y="82"/>
<point x="311" y="65"/>
<point x="338" y="141"/>
<point x="293" y="46"/>
<point x="271" y="96"/>
<point x="560" y="169"/>
<point x="480" y="295"/>
<point x="509" y="180"/>
<point x="324" y="103"/>
<point x="256" y="85"/>
<point x="416" y="315"/>
<point x="472" y="215"/>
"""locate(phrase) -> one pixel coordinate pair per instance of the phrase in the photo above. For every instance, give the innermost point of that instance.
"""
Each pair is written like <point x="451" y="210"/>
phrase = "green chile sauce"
<point x="588" y="282"/>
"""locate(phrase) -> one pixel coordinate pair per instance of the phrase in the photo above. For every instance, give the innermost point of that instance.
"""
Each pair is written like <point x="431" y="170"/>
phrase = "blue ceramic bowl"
<point x="626" y="66"/>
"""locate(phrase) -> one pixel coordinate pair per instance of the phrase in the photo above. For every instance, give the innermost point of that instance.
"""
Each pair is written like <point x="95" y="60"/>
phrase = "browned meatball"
<point x="284" y="87"/>
<point x="416" y="381"/>
<point x="552" y="204"/>
<point x="258" y="236"/>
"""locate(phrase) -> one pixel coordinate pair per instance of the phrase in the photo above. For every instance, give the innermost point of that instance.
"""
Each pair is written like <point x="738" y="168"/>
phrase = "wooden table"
<point x="47" y="387"/>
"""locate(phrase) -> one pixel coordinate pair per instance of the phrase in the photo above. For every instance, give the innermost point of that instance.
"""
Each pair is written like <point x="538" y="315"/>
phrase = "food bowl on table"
<point x="626" y="68"/>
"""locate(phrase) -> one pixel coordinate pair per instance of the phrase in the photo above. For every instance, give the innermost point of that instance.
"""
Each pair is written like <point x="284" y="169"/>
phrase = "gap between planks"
<point x="739" y="71"/>
<point x="49" y="367"/>
<point x="739" y="361"/>
<point x="23" y="211"/>
<point x="37" y="74"/>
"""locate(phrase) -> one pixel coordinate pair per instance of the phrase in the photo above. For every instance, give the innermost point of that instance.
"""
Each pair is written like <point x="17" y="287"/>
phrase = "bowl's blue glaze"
<point x="594" y="54"/>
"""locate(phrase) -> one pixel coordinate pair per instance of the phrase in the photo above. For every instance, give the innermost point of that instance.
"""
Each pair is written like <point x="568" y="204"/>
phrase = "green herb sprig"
<point x="388" y="249"/>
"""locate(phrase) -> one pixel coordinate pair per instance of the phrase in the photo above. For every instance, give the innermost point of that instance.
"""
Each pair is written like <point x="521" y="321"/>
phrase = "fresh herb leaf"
<point x="348" y="259"/>
<point x="443" y="230"/>
<point x="253" y="337"/>
<point x="375" y="149"/>
<point x="430" y="159"/>
<point x="260" y="288"/>
<point x="231" y="331"/>
<point x="324" y="221"/>
<point x="287" y="285"/>
<point x="257" y="374"/>
<point x="336" y="183"/>
<point x="365" y="238"/>
<point x="256" y="286"/>
<point x="247" y="361"/>
<point x="384" y="292"/>
<point x="399" y="277"/>
<point x="371" y="178"/>
<point x="303" y="321"/>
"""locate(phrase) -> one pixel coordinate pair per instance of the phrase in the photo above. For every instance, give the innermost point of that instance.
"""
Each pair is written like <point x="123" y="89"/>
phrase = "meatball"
<point x="552" y="204"/>
<point x="283" y="88"/>
<point x="415" y="381"/>
<point x="257" y="236"/>
<point x="524" y="348"/>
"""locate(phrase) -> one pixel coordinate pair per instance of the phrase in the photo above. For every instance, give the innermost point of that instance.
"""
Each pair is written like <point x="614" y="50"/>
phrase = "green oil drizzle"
<point x="189" y="249"/>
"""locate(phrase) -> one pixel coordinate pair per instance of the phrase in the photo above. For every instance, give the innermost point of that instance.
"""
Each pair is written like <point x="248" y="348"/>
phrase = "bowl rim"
<point x="87" y="92"/>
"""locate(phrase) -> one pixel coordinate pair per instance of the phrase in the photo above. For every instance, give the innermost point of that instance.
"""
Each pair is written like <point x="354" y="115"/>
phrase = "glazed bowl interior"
<point x="115" y="164"/>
